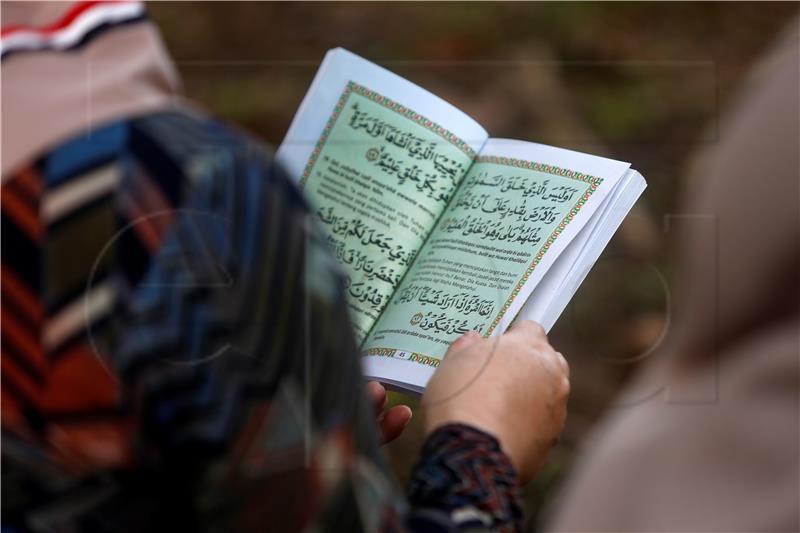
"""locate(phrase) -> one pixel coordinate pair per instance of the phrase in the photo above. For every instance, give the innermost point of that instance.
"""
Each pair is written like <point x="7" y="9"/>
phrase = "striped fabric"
<point x="56" y="217"/>
<point x="177" y="354"/>
<point x="162" y="299"/>
<point x="81" y="22"/>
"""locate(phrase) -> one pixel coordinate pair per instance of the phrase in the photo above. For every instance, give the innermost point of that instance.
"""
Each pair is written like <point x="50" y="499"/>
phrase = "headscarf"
<point x="707" y="437"/>
<point x="68" y="68"/>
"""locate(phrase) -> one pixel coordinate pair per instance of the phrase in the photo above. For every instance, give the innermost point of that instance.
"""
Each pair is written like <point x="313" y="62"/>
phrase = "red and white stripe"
<point x="77" y="22"/>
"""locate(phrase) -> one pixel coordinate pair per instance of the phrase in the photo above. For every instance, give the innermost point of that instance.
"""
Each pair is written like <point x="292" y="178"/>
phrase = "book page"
<point x="378" y="160"/>
<point x="552" y="294"/>
<point x="515" y="211"/>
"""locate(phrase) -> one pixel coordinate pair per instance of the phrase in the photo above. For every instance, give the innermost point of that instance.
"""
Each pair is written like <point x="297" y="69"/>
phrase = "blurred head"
<point x="117" y="66"/>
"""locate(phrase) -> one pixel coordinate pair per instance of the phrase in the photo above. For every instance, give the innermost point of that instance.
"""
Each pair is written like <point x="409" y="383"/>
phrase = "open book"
<point x="439" y="228"/>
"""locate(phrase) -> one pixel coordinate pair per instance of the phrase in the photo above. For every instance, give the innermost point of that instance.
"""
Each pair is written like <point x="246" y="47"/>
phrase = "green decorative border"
<point x="413" y="357"/>
<point x="353" y="87"/>
<point x="541" y="167"/>
<point x="593" y="181"/>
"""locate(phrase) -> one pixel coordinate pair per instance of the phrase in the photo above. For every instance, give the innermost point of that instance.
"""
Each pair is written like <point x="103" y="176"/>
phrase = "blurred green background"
<point x="642" y="82"/>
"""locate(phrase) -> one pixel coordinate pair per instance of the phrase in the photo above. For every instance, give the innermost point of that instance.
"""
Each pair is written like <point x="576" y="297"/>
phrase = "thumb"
<point x="464" y="341"/>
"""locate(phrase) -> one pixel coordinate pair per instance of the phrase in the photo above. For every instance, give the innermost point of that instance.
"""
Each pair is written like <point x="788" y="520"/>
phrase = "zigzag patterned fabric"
<point x="464" y="471"/>
<point x="176" y="354"/>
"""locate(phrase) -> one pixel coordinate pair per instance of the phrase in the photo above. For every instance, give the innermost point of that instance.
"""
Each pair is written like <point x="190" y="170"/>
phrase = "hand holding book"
<point x="512" y="386"/>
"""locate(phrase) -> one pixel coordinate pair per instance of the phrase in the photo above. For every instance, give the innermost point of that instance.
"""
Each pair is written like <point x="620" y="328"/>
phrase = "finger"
<point x="393" y="422"/>
<point x="562" y="361"/>
<point x="533" y="331"/>
<point x="557" y="367"/>
<point x="559" y="364"/>
<point x="377" y="393"/>
<point x="467" y="339"/>
<point x="561" y="416"/>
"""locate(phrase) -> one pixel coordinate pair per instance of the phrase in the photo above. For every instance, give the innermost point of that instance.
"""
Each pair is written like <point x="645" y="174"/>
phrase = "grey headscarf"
<point x="708" y="437"/>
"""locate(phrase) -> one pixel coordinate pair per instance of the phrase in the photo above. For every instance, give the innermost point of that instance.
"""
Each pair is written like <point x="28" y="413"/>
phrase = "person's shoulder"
<point x="205" y="148"/>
